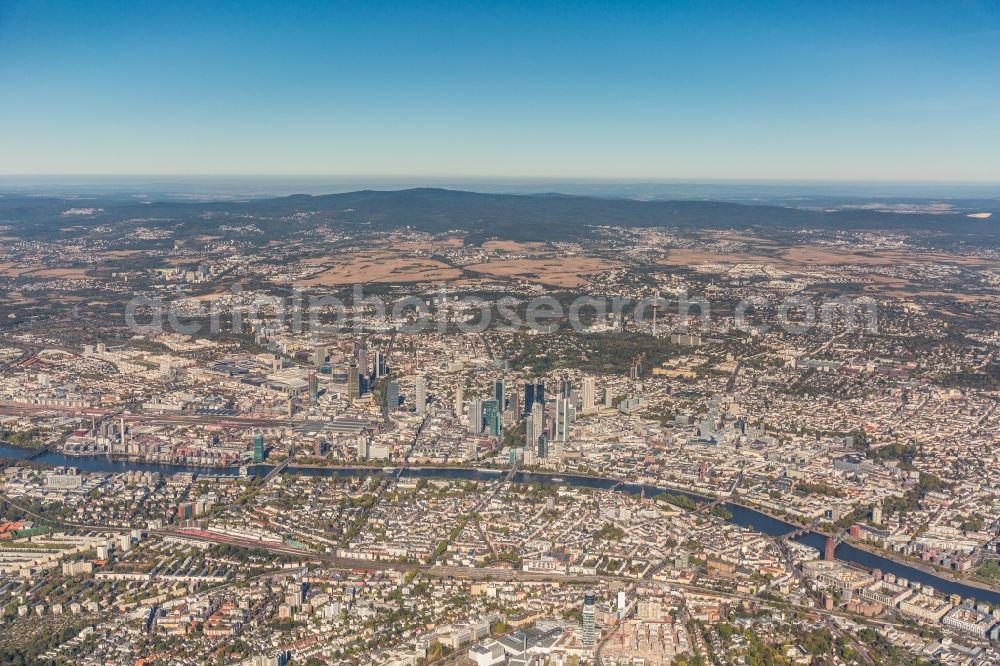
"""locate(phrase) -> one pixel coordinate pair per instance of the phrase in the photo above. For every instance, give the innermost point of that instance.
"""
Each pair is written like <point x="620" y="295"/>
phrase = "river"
<point x="742" y="516"/>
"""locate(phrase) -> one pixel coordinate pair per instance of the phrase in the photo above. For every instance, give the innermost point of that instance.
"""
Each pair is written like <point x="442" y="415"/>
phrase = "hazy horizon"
<point x="195" y="187"/>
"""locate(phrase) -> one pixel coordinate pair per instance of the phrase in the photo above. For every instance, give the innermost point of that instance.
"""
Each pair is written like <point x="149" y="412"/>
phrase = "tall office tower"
<point x="361" y="355"/>
<point x="534" y="427"/>
<point x="571" y="403"/>
<point x="543" y="447"/>
<point x="563" y="421"/>
<point x="533" y="393"/>
<point x="621" y="604"/>
<point x="379" y="368"/>
<point x="529" y="431"/>
<point x="319" y="356"/>
<point x="493" y="421"/>
<point x="515" y="406"/>
<point x="829" y="549"/>
<point x="589" y="388"/>
<point x="258" y="448"/>
<point x="476" y="417"/>
<point x="499" y="394"/>
<point x="313" y="386"/>
<point x="589" y="618"/>
<point x="491" y="417"/>
<point x="420" y="393"/>
<point x="707" y="427"/>
<point x="608" y="398"/>
<point x="392" y="396"/>
<point x="353" y="383"/>
<point x="459" y="399"/>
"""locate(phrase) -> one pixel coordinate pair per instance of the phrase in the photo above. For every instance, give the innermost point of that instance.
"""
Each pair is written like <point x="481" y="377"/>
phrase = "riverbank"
<point x="921" y="565"/>
<point x="743" y="515"/>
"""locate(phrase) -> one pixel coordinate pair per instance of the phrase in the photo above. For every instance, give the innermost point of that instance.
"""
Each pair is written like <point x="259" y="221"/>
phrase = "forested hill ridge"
<point x="534" y="217"/>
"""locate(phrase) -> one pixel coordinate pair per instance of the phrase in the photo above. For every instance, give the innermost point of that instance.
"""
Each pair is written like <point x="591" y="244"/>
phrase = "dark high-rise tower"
<point x="533" y="393"/>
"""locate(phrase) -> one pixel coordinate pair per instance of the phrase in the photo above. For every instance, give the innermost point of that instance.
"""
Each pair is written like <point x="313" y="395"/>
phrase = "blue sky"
<point x="635" y="91"/>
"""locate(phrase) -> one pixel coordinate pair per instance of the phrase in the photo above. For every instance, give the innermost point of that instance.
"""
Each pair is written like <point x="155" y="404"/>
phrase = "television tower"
<point x="656" y="306"/>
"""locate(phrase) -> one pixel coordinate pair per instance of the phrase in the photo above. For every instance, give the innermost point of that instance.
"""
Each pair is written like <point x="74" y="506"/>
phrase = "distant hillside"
<point x="516" y="217"/>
